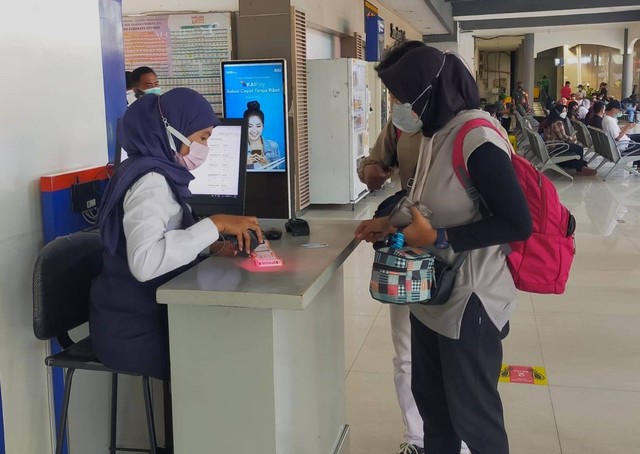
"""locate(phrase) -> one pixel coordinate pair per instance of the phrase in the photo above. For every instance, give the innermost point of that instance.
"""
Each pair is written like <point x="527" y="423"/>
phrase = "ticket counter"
<point x="257" y="354"/>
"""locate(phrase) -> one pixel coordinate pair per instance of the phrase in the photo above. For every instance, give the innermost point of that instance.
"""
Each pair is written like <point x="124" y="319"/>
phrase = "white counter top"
<point x="237" y="282"/>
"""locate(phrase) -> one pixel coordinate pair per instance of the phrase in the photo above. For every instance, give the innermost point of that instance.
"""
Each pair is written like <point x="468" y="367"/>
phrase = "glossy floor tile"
<point x="588" y="339"/>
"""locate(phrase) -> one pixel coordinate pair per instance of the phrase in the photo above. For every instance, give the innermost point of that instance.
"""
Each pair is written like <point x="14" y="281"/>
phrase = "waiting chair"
<point x="584" y="137"/>
<point x="61" y="287"/>
<point x="607" y="147"/>
<point x="549" y="159"/>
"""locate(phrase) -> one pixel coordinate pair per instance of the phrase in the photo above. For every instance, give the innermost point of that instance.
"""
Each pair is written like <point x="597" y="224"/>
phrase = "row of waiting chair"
<point x="548" y="155"/>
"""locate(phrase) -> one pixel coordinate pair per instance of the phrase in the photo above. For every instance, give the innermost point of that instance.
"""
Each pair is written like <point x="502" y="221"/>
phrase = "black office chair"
<point x="61" y="286"/>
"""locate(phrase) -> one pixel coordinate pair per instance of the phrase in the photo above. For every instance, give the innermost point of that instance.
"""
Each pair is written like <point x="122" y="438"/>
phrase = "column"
<point x="528" y="65"/>
<point x="627" y="67"/>
<point x="467" y="49"/>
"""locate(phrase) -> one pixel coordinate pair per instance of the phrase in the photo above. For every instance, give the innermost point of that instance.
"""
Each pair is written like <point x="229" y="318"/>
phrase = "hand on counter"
<point x="238" y="226"/>
<point x="223" y="249"/>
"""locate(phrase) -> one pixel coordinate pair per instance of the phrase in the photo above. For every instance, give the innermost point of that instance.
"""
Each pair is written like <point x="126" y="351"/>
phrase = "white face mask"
<point x="402" y="117"/>
<point x="563" y="115"/>
<point x="197" y="152"/>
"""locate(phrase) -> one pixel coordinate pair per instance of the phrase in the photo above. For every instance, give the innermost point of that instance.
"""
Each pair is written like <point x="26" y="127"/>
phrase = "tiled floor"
<point x="588" y="339"/>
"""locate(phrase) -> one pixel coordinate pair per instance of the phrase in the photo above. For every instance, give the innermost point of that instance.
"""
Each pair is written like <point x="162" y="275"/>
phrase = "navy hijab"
<point x="453" y="91"/>
<point x="144" y="137"/>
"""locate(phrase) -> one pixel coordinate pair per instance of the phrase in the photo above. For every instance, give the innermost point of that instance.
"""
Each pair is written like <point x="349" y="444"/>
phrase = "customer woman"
<point x="149" y="232"/>
<point x="457" y="347"/>
<point x="555" y="131"/>
<point x="262" y="151"/>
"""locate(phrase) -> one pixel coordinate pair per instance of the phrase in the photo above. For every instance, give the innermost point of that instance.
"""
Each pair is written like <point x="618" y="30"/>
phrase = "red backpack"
<point x="541" y="263"/>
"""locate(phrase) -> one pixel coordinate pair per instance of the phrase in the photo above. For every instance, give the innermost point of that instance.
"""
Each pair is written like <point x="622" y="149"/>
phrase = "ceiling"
<point x="498" y="44"/>
<point x="420" y="14"/>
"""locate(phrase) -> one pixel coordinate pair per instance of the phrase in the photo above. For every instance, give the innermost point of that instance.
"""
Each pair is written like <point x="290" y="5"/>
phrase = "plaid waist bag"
<point x="412" y="276"/>
<point x="402" y="276"/>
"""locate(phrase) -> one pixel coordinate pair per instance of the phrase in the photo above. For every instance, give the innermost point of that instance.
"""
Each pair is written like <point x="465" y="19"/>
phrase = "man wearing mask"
<point x="397" y="148"/>
<point x="145" y="81"/>
<point x="627" y="143"/>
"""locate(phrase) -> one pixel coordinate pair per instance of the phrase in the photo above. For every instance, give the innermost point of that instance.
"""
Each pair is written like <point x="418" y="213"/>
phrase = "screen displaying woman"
<point x="263" y="154"/>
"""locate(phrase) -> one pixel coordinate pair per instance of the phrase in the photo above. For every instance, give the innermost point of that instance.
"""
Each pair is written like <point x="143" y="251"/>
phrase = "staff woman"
<point x="149" y="232"/>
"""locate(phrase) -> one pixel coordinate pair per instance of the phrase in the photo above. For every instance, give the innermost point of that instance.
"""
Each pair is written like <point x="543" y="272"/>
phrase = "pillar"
<point x="528" y="64"/>
<point x="467" y="49"/>
<point x="627" y="67"/>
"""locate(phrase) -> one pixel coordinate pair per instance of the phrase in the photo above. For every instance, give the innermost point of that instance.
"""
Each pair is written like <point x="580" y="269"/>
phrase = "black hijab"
<point x="454" y="90"/>
<point x="554" y="114"/>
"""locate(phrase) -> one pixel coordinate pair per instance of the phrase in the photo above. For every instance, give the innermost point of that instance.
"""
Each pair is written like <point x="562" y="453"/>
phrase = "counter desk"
<point x="257" y="354"/>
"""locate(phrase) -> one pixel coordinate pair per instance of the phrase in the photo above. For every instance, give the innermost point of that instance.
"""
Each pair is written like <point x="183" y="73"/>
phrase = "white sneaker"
<point x="408" y="448"/>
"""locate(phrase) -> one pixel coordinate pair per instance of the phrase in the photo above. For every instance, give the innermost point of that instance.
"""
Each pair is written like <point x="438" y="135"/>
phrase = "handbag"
<point x="410" y="275"/>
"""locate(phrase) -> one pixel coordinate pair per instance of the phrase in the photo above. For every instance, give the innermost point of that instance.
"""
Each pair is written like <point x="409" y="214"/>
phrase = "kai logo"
<point x="251" y="84"/>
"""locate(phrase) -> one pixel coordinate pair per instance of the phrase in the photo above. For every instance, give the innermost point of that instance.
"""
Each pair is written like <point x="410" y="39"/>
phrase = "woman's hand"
<point x="374" y="229"/>
<point x="223" y="249"/>
<point x="257" y="159"/>
<point x="239" y="227"/>
<point x="419" y="232"/>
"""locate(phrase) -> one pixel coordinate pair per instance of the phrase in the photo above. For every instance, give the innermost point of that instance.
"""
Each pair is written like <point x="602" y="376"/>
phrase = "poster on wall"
<point x="185" y="50"/>
<point x="256" y="90"/>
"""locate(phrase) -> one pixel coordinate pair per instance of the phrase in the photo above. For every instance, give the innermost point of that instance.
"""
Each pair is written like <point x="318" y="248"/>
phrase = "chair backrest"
<point x="604" y="145"/>
<point x="62" y="282"/>
<point x="584" y="137"/>
<point x="537" y="146"/>
<point x="570" y="129"/>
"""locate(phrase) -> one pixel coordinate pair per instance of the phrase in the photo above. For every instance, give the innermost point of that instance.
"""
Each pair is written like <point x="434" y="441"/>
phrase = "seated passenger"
<point x="555" y="131"/>
<point x="594" y="118"/>
<point x="492" y="110"/>
<point x="610" y="125"/>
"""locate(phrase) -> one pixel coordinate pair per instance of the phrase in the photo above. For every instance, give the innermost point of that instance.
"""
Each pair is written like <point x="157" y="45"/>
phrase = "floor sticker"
<point x="528" y="375"/>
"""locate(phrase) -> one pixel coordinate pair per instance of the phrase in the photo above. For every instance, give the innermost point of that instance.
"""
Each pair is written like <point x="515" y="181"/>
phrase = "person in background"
<point x="145" y="81"/>
<point x="594" y="117"/>
<point x="457" y="348"/>
<point x="629" y="107"/>
<point x="261" y="151"/>
<point x="572" y="111"/>
<point x="509" y="121"/>
<point x="148" y="231"/>
<point x="603" y="93"/>
<point x="583" y="107"/>
<point x="555" y="131"/>
<point x="521" y="96"/>
<point x="544" y="85"/>
<point x="131" y="94"/>
<point x="398" y="149"/>
<point x="627" y="143"/>
<point x="565" y="92"/>
<point x="492" y="110"/>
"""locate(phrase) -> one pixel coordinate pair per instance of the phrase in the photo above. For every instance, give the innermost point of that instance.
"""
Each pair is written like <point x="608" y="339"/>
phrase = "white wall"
<point x="52" y="119"/>
<point x="322" y="45"/>
<point x="612" y="36"/>
<point x="149" y="6"/>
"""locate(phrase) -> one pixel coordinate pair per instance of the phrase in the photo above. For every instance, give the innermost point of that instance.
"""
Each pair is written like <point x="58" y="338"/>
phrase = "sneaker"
<point x="407" y="448"/>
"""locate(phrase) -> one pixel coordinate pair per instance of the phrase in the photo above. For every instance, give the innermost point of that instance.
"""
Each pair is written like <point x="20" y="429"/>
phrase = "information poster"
<point x="185" y="50"/>
<point x="256" y="91"/>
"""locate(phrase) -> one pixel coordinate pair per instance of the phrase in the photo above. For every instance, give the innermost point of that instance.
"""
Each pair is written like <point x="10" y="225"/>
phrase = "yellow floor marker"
<point x="528" y="375"/>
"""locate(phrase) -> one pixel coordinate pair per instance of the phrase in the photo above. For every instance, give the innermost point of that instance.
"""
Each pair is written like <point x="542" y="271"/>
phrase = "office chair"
<point x="61" y="287"/>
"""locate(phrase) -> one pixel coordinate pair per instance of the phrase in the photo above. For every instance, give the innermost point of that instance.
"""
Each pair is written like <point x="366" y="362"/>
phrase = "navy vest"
<point x="128" y="327"/>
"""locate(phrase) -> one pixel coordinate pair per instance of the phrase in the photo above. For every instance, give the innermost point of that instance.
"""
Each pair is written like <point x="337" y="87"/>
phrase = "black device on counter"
<point x="234" y="241"/>
<point x="272" y="233"/>
<point x="297" y="227"/>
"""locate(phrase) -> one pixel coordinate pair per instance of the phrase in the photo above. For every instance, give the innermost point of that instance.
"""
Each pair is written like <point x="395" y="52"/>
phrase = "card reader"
<point x="297" y="227"/>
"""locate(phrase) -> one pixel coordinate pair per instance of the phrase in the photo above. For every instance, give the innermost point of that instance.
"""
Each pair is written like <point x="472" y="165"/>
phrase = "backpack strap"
<point x="460" y="168"/>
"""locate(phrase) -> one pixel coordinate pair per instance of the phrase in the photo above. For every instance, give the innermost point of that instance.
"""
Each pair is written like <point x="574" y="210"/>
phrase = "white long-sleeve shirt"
<point x="156" y="244"/>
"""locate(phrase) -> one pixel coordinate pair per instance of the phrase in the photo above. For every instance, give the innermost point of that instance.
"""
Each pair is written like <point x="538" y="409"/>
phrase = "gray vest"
<point x="485" y="271"/>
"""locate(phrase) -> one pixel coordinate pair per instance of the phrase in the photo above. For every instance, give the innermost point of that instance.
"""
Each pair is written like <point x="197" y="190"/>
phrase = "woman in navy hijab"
<point x="148" y="231"/>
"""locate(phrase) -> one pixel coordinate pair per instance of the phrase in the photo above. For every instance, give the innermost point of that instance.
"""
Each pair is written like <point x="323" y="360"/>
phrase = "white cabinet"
<point x="338" y="137"/>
